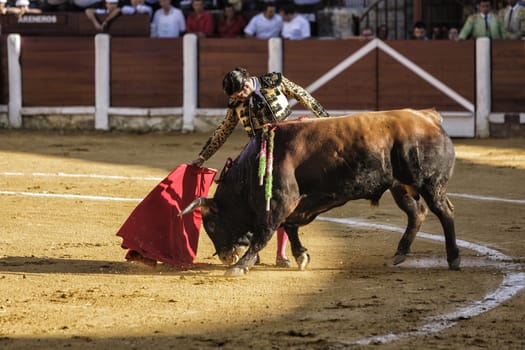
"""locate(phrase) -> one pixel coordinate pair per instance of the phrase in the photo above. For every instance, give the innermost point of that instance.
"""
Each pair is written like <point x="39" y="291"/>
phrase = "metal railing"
<point x="390" y="14"/>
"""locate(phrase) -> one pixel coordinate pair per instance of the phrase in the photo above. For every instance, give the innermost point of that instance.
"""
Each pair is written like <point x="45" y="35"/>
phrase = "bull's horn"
<point x="193" y="205"/>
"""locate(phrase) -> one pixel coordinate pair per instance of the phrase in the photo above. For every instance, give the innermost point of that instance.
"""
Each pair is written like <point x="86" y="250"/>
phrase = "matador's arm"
<point x="304" y="98"/>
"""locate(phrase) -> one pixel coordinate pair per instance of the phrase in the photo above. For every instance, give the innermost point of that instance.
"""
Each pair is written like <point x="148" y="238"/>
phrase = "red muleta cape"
<point x="155" y="231"/>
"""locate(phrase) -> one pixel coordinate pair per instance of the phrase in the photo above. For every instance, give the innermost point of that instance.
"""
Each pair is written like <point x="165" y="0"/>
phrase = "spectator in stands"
<point x="110" y="10"/>
<point x="436" y="33"/>
<point x="295" y="26"/>
<point x="137" y="6"/>
<point x="200" y="21"/>
<point x="419" y="31"/>
<point x="265" y="25"/>
<point x="168" y="21"/>
<point x="453" y="33"/>
<point x="366" y="33"/>
<point x="22" y="7"/>
<point x="512" y="19"/>
<point x="382" y="32"/>
<point x="3" y="7"/>
<point x="231" y="24"/>
<point x="485" y="23"/>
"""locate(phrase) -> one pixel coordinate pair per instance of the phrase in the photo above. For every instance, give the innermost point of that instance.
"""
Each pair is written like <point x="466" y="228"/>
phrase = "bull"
<point x="323" y="163"/>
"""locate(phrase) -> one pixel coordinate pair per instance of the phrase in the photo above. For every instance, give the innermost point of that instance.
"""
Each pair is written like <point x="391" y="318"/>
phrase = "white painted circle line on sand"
<point x="512" y="284"/>
<point x="70" y="196"/>
<point x="486" y="198"/>
<point x="490" y="253"/>
<point x="92" y="176"/>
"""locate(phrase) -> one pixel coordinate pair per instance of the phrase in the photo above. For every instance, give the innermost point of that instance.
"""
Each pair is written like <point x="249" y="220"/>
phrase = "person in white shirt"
<point x="168" y="21"/>
<point x="22" y="7"/>
<point x="265" y="25"/>
<point x="295" y="26"/>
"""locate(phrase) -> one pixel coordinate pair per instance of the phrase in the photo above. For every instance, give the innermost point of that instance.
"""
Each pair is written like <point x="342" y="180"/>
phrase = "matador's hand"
<point x="198" y="162"/>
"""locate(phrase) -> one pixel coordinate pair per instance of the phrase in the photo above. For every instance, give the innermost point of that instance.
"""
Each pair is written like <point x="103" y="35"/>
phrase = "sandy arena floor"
<point x="64" y="282"/>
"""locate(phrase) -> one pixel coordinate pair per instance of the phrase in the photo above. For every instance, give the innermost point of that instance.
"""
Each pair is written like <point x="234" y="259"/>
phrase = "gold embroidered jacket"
<point x="271" y="105"/>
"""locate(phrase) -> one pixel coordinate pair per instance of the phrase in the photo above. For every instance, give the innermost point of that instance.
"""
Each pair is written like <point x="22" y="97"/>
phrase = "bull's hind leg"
<point x="440" y="205"/>
<point x="299" y="252"/>
<point x="409" y="202"/>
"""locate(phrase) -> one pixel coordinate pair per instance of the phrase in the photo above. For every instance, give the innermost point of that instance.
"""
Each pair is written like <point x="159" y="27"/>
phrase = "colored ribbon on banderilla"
<point x="266" y="162"/>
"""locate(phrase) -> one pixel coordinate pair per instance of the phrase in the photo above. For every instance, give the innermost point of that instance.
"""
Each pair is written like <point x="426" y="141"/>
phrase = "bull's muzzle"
<point x="231" y="257"/>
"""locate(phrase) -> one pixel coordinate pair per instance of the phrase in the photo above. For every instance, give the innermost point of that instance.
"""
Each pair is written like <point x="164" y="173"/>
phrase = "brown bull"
<point x="320" y="164"/>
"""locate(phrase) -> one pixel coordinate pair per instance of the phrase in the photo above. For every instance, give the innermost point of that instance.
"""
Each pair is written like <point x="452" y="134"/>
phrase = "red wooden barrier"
<point x="147" y="72"/>
<point x="354" y="89"/>
<point x="58" y="71"/>
<point x="508" y="76"/>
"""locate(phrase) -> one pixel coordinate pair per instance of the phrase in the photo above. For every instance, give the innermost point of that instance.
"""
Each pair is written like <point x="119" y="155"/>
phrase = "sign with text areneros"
<point x="71" y="24"/>
<point x="40" y="19"/>
<point x="36" y="24"/>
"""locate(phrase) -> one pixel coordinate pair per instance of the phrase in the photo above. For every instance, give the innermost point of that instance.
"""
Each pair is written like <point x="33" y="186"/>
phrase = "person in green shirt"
<point x="485" y="23"/>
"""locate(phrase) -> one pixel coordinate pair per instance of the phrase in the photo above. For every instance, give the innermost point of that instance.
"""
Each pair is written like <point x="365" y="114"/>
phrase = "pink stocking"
<point x="282" y="238"/>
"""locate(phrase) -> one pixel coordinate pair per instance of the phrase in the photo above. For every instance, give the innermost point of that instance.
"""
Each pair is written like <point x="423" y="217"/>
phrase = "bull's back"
<point x="395" y="123"/>
<point x="360" y="155"/>
<point x="367" y="132"/>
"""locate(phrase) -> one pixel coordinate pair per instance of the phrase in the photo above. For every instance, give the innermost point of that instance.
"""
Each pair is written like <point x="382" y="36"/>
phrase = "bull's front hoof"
<point x="399" y="258"/>
<point x="454" y="264"/>
<point x="236" y="272"/>
<point x="302" y="261"/>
